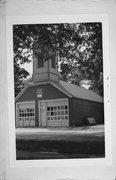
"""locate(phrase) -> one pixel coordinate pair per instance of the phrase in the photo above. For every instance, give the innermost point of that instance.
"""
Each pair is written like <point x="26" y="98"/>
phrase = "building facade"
<point x="49" y="102"/>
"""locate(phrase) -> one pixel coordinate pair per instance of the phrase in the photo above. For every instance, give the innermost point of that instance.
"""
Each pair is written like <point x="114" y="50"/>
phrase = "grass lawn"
<point x="83" y="142"/>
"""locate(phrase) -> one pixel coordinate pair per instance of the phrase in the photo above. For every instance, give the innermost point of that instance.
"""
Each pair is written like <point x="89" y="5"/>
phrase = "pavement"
<point x="97" y="129"/>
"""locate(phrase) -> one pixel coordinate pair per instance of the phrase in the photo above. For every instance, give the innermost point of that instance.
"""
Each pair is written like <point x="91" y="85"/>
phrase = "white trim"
<point x="19" y="103"/>
<point x="39" y="101"/>
<point x="16" y="115"/>
<point x="54" y="99"/>
<point x="39" y="111"/>
<point x="25" y="102"/>
<point x="35" y="84"/>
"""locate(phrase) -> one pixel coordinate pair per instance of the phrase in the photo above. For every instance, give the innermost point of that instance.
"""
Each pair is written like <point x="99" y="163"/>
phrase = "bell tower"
<point x="44" y="68"/>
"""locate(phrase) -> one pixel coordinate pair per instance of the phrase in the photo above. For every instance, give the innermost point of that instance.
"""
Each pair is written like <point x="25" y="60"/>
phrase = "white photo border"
<point x="44" y="19"/>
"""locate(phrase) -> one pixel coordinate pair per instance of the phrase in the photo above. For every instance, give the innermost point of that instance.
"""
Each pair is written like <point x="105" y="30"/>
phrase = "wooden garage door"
<point x="26" y="114"/>
<point x="58" y="113"/>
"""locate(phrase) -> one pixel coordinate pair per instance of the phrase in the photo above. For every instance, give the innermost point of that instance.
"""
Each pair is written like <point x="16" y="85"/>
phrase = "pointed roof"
<point x="69" y="89"/>
<point x="31" y="84"/>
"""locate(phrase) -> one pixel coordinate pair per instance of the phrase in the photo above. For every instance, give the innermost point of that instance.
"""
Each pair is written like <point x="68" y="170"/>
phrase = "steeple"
<point x="44" y="67"/>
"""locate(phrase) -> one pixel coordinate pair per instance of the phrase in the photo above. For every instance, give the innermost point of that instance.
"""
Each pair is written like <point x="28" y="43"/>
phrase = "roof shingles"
<point x="70" y="89"/>
<point x="80" y="92"/>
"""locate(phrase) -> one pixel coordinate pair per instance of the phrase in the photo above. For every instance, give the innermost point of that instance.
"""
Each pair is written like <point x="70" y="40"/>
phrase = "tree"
<point x="21" y="41"/>
<point x="94" y="53"/>
<point x="89" y="62"/>
<point x="78" y="45"/>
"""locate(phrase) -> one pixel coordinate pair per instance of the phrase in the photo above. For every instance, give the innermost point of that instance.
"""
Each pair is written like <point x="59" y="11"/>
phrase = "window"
<point x="53" y="62"/>
<point x="26" y="114"/>
<point x="40" y="60"/>
<point x="57" y="112"/>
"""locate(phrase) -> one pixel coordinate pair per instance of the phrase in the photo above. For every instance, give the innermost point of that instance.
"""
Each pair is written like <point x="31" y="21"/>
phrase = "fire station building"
<point x="49" y="102"/>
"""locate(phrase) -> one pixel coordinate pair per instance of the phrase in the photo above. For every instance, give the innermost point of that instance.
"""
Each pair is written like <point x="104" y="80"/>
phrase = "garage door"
<point x="58" y="113"/>
<point x="25" y="114"/>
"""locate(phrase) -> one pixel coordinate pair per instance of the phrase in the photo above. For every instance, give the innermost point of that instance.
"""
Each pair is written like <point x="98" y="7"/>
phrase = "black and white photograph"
<point x="58" y="85"/>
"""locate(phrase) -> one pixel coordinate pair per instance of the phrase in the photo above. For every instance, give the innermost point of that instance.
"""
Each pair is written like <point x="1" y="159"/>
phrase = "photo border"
<point x="42" y="19"/>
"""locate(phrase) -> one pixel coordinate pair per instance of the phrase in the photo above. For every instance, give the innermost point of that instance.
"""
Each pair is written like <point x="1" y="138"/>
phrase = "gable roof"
<point x="80" y="92"/>
<point x="42" y="83"/>
<point x="69" y="89"/>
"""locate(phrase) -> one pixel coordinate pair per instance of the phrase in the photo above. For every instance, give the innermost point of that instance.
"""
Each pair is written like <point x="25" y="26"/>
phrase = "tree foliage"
<point x="78" y="45"/>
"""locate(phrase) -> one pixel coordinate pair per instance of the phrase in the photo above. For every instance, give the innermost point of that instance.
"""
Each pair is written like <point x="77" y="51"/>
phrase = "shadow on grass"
<point x="46" y="149"/>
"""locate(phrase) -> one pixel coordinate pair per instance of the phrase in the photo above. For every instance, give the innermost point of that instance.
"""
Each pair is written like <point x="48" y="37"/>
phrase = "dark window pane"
<point x="59" y="113"/>
<point x="62" y="107"/>
<point x="52" y="113"/>
<point x="48" y="108"/>
<point x="53" y="62"/>
<point x="40" y="60"/>
<point x="62" y="112"/>
<point x="66" y="112"/>
<point x="31" y="114"/>
<point x="54" y="107"/>
<point x="58" y="107"/>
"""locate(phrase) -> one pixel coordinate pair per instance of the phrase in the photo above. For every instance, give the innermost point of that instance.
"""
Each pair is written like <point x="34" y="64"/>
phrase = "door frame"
<point x="39" y="111"/>
<point x="39" y="101"/>
<point x="17" y="110"/>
